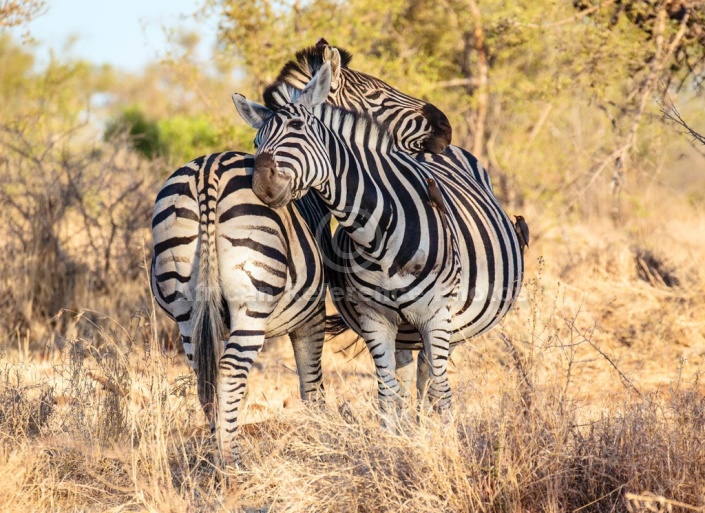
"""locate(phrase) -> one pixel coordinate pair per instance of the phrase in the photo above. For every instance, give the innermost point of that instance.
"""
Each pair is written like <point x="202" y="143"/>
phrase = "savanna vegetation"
<point x="588" y="397"/>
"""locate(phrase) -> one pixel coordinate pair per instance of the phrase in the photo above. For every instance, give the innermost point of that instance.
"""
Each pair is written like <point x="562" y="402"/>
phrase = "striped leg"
<point x="241" y="350"/>
<point x="380" y="335"/>
<point x="436" y="340"/>
<point x="422" y="379"/>
<point x="405" y="371"/>
<point x="307" y="341"/>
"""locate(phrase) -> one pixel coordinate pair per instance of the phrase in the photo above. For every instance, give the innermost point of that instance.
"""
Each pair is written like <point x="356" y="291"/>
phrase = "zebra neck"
<point x="357" y="191"/>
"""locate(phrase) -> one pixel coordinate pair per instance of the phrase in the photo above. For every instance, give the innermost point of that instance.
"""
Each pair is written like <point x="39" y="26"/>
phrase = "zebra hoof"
<point x="315" y="401"/>
<point x="234" y="461"/>
<point x="230" y="458"/>
<point x="390" y="416"/>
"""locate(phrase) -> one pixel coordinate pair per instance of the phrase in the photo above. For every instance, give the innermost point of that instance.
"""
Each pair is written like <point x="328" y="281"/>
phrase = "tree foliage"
<point x="501" y="70"/>
<point x="18" y="12"/>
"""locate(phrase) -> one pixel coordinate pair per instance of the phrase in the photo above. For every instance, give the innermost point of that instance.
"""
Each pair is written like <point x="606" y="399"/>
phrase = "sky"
<point x="124" y="33"/>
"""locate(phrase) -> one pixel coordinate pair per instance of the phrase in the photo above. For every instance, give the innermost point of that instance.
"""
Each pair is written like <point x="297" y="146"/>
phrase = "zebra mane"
<point x="278" y="94"/>
<point x="307" y="62"/>
<point x="355" y="126"/>
<point x="299" y="71"/>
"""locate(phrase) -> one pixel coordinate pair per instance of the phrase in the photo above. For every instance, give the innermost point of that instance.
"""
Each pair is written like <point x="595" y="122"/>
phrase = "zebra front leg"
<point x="241" y="350"/>
<point x="380" y="334"/>
<point x="307" y="341"/>
<point x="436" y="341"/>
<point x="405" y="372"/>
<point x="422" y="379"/>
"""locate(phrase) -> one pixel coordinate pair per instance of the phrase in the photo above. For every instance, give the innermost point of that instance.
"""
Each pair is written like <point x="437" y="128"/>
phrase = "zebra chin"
<point x="274" y="197"/>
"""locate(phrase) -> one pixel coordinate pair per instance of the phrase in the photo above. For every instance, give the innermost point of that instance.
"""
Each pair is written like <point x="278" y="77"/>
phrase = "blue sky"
<point x="125" y="33"/>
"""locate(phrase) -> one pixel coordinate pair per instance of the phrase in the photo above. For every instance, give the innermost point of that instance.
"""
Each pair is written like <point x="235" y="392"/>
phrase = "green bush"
<point x="178" y="138"/>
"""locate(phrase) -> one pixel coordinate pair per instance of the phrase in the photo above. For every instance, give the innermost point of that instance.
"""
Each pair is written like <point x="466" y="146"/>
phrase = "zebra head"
<point x="291" y="155"/>
<point x="415" y="125"/>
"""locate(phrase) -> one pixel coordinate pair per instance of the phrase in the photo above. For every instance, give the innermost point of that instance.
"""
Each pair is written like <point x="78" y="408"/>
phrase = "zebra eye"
<point x="296" y="124"/>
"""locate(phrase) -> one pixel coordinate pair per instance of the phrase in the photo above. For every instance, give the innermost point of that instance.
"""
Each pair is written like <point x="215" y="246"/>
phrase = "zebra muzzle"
<point x="441" y="131"/>
<point x="268" y="184"/>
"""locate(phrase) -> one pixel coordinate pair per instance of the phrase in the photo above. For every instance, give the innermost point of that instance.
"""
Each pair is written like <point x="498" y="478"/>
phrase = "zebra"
<point x="264" y="274"/>
<point x="408" y="273"/>
<point x="294" y="77"/>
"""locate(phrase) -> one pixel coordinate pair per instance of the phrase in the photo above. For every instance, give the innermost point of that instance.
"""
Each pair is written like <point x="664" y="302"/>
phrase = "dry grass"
<point x="587" y="397"/>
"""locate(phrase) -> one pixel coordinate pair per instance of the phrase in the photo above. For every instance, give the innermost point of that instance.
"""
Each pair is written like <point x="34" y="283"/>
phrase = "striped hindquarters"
<point x="276" y="251"/>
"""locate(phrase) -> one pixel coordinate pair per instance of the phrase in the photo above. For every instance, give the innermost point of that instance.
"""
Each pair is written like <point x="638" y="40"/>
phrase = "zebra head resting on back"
<point x="222" y="260"/>
<point x="415" y="125"/>
<point x="428" y="256"/>
<point x="492" y="266"/>
<point x="406" y="265"/>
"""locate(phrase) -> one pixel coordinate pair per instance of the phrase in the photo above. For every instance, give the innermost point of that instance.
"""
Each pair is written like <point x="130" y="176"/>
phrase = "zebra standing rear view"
<point x="407" y="263"/>
<point x="264" y="274"/>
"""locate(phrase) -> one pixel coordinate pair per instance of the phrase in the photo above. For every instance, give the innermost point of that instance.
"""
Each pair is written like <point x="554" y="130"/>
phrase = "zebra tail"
<point x="208" y="326"/>
<point x="335" y="325"/>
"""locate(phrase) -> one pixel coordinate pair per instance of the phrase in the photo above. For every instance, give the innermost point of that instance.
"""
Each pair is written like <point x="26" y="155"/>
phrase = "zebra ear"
<point x="253" y="113"/>
<point x="332" y="55"/>
<point x="316" y="91"/>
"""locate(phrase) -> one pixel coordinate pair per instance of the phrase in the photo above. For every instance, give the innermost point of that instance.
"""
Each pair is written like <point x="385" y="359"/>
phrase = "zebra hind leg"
<point x="422" y="382"/>
<point x="436" y="341"/>
<point x="240" y="353"/>
<point x="185" y="329"/>
<point x="422" y="379"/>
<point x="307" y="341"/>
<point x="405" y="372"/>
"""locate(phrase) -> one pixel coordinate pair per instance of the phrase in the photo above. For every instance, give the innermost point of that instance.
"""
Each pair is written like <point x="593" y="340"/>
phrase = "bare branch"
<point x="456" y="82"/>
<point x="483" y="96"/>
<point x="670" y="112"/>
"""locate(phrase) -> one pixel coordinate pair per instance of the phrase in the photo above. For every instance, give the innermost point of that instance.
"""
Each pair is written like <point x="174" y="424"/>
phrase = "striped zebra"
<point x="409" y="272"/>
<point x="297" y="73"/>
<point x="264" y="274"/>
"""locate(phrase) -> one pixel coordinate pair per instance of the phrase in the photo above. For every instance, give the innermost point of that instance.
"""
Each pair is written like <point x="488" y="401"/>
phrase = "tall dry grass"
<point x="587" y="397"/>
